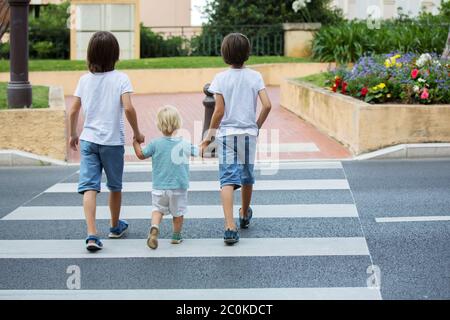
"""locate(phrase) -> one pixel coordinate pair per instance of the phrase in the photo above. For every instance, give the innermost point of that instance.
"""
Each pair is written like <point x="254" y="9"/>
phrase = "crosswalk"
<point x="305" y="242"/>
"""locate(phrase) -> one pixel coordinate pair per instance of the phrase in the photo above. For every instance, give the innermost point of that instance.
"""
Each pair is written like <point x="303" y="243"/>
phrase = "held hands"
<point x="203" y="146"/>
<point x="73" y="142"/>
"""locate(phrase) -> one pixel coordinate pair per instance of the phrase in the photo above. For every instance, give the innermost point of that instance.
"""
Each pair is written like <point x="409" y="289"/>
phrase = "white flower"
<point x="437" y="63"/>
<point x="299" y="4"/>
<point x="422" y="80"/>
<point x="426" y="57"/>
<point x="416" y="89"/>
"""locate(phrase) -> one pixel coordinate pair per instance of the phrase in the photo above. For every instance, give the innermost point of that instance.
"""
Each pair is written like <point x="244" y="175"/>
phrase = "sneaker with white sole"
<point x="231" y="236"/>
<point x="176" y="238"/>
<point x="93" y="243"/>
<point x="118" y="232"/>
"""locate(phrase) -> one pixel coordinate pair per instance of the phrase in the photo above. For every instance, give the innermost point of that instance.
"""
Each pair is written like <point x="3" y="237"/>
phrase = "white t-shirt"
<point x="100" y="95"/>
<point x="239" y="88"/>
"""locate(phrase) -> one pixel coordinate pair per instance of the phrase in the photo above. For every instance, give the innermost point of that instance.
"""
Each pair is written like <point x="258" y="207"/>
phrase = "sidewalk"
<point x="298" y="139"/>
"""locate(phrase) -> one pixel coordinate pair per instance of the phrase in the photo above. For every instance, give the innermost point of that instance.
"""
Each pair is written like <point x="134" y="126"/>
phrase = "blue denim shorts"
<point x="236" y="160"/>
<point x="94" y="159"/>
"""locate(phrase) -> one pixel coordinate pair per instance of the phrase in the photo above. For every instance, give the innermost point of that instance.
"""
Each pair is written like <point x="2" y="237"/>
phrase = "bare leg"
<point x="156" y="218"/>
<point x="246" y="193"/>
<point x="89" y="204"/>
<point x="178" y="224"/>
<point x="115" y="202"/>
<point x="227" y="194"/>
<point x="152" y="240"/>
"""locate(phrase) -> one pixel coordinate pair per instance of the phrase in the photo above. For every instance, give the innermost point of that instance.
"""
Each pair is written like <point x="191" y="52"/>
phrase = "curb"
<point x="17" y="158"/>
<point x="409" y="151"/>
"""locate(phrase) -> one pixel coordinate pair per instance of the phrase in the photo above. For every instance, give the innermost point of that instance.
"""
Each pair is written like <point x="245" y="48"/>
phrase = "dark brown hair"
<point x="235" y="49"/>
<point x="103" y="52"/>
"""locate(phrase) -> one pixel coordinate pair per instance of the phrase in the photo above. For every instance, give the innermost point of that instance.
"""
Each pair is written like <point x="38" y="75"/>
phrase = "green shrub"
<point x="348" y="41"/>
<point x="260" y="20"/>
<point x="48" y="34"/>
<point x="4" y="50"/>
<point x="43" y="49"/>
<point x="154" y="45"/>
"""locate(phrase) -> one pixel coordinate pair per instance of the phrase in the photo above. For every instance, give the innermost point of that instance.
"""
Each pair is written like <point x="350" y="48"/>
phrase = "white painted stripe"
<point x="342" y="293"/>
<point x="413" y="219"/>
<point x="212" y="165"/>
<point x="266" y="148"/>
<point x="311" y="184"/>
<point x="137" y="248"/>
<point x="287" y="147"/>
<point x="195" y="212"/>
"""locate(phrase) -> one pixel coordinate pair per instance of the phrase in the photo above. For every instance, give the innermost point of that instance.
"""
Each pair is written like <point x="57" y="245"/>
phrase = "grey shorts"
<point x="170" y="202"/>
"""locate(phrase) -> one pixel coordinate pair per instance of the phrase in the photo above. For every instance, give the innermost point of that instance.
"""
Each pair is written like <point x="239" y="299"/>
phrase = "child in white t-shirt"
<point x="237" y="90"/>
<point x="104" y="94"/>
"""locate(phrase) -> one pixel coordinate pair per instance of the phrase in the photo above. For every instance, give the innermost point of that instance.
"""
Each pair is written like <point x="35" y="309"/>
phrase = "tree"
<point x="260" y="20"/>
<point x="4" y="17"/>
<point x="266" y="12"/>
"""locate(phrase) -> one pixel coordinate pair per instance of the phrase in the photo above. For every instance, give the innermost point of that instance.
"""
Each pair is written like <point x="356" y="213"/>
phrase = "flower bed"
<point x="395" y="78"/>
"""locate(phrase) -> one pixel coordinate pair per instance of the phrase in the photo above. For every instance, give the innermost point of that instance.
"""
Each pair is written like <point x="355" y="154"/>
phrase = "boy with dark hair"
<point x="237" y="90"/>
<point x="104" y="94"/>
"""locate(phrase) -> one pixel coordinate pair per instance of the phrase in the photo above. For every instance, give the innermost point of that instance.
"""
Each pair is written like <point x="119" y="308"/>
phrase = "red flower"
<point x="344" y="87"/>
<point x="415" y="73"/>
<point x="364" y="91"/>
<point x="337" y="81"/>
<point x="334" y="88"/>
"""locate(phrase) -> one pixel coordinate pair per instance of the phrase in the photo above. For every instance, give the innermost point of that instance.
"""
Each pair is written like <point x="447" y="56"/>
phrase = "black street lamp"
<point x="19" y="88"/>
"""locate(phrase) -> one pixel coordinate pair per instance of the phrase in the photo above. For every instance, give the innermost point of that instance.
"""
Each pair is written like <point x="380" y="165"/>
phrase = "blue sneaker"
<point x="93" y="243"/>
<point x="117" y="232"/>
<point x="231" y="236"/>
<point x="244" y="222"/>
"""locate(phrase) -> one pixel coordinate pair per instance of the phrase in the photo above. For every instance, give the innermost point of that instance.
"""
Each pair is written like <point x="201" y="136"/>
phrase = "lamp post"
<point x="209" y="103"/>
<point x="19" y="88"/>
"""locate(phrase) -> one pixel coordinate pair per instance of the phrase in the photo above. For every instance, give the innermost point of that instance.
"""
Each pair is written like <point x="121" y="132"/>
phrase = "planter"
<point x="298" y="38"/>
<point x="39" y="131"/>
<point x="363" y="127"/>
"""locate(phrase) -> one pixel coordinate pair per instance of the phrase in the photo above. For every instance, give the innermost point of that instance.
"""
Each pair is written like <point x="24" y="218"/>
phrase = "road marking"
<point x="342" y="293"/>
<point x="413" y="219"/>
<point x="279" y="185"/>
<point x="137" y="248"/>
<point x="265" y="148"/>
<point x="195" y="212"/>
<point x="213" y="166"/>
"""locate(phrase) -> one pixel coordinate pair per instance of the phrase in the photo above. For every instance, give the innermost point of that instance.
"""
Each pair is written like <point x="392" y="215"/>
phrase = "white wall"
<point x="386" y="8"/>
<point x="117" y="18"/>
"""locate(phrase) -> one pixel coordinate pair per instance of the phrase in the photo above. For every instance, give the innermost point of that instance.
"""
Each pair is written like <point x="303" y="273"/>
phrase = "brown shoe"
<point x="152" y="240"/>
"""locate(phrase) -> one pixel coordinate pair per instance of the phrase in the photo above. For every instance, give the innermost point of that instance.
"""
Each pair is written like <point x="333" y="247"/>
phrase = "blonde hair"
<point x="168" y="120"/>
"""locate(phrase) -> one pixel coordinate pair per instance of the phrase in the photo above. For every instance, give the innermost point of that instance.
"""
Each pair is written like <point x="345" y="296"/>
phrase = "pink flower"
<point x="425" y="94"/>
<point x="415" y="73"/>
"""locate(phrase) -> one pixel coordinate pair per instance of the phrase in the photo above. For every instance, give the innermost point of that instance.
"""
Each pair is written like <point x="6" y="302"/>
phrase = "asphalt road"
<point x="412" y="257"/>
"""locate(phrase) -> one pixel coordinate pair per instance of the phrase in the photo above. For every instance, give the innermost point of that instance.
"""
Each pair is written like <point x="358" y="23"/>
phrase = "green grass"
<point x="151" y="63"/>
<point x="317" y="79"/>
<point x="40" y="96"/>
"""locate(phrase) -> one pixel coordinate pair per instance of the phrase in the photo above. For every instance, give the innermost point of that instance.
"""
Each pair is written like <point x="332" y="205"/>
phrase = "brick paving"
<point x="291" y="129"/>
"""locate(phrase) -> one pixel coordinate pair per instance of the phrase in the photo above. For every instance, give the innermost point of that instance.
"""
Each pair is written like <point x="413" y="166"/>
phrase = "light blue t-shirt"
<point x="170" y="161"/>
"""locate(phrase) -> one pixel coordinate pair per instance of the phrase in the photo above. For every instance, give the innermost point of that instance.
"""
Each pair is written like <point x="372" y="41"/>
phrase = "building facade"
<point x="386" y="9"/>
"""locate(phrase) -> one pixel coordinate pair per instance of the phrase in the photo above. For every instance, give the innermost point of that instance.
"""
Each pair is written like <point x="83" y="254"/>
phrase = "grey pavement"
<point x="413" y="257"/>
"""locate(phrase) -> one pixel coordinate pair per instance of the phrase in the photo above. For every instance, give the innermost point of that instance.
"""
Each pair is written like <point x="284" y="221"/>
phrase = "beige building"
<point x="361" y="9"/>
<point x="123" y="17"/>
